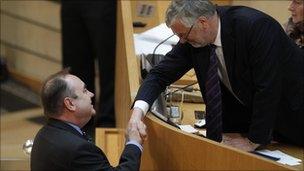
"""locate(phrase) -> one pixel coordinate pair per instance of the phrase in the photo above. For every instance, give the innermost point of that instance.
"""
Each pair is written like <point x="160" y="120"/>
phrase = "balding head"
<point x="53" y="92"/>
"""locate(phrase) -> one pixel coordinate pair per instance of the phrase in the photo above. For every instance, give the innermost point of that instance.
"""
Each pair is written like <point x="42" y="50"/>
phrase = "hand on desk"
<point x="136" y="122"/>
<point x="239" y="142"/>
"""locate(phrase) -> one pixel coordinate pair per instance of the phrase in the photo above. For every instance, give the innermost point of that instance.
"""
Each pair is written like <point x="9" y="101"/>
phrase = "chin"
<point x="196" y="45"/>
<point x="295" y="20"/>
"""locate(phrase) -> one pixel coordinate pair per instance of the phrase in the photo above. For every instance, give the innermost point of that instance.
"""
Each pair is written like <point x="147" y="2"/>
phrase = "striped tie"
<point x="213" y="99"/>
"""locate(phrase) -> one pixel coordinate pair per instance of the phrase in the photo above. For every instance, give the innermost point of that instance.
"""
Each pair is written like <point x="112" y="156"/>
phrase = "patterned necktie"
<point x="213" y="99"/>
<point x="87" y="137"/>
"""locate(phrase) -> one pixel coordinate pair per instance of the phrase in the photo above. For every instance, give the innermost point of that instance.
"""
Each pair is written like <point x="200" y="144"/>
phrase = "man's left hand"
<point x="239" y="142"/>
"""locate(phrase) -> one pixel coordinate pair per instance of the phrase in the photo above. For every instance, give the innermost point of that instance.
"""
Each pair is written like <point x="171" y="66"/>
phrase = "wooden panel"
<point x="222" y="2"/>
<point x="111" y="141"/>
<point x="31" y="37"/>
<point x="41" y="12"/>
<point x="16" y="128"/>
<point x="152" y="20"/>
<point x="27" y="64"/>
<point x="126" y="74"/>
<point x="15" y="164"/>
<point x="162" y="6"/>
<point x="172" y="149"/>
<point x="275" y="8"/>
<point x="33" y="83"/>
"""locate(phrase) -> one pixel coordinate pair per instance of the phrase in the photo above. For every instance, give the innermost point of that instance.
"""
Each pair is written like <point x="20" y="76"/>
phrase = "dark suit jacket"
<point x="58" y="146"/>
<point x="264" y="67"/>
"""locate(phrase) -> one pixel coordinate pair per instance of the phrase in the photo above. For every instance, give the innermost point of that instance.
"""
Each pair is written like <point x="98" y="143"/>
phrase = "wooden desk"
<point x="169" y="148"/>
<point x="295" y="151"/>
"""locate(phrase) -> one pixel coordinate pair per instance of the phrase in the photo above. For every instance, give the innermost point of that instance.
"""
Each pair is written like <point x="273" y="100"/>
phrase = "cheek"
<point x="198" y="38"/>
<point x="301" y="11"/>
<point x="299" y="16"/>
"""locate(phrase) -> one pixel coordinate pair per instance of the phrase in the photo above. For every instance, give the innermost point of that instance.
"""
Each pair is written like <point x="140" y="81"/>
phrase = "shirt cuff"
<point x="144" y="106"/>
<point x="135" y="143"/>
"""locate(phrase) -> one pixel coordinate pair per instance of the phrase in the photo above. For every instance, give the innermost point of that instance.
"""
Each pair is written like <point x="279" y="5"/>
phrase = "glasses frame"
<point x="188" y="33"/>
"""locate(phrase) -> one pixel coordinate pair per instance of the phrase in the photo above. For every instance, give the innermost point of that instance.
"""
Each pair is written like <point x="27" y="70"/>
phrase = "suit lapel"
<point x="228" y="45"/>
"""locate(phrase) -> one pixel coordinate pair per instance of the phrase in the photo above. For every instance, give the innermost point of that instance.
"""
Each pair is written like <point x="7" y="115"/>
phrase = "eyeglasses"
<point x="187" y="35"/>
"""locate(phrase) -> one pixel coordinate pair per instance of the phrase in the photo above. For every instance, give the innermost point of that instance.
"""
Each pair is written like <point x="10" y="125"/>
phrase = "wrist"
<point x="137" y="113"/>
<point x="254" y="145"/>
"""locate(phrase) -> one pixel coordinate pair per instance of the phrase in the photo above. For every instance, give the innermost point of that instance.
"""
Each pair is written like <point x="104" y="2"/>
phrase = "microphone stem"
<point x="180" y="89"/>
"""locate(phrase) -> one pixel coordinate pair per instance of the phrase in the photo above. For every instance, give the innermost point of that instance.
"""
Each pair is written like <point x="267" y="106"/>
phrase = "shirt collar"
<point x="75" y="127"/>
<point x="218" y="41"/>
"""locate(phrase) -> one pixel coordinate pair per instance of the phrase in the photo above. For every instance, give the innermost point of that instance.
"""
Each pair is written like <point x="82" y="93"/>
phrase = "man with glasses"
<point x="250" y="73"/>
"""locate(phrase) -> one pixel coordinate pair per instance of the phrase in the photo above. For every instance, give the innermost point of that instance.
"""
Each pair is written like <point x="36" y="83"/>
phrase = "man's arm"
<point x="90" y="157"/>
<point x="176" y="63"/>
<point x="266" y="41"/>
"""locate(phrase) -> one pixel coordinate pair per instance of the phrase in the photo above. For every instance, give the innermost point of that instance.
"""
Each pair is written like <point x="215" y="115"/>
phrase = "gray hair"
<point x="188" y="11"/>
<point x="53" y="92"/>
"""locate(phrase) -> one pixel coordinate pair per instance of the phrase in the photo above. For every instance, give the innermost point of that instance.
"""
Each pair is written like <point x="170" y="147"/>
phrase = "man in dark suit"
<point x="260" y="69"/>
<point x="61" y="144"/>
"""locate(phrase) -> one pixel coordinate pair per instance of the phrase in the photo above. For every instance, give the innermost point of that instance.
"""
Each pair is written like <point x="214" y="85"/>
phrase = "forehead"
<point x="178" y="27"/>
<point x="74" y="82"/>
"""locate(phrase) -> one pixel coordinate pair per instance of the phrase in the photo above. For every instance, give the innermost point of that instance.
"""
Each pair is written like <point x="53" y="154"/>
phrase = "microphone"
<point x="175" y="111"/>
<point x="153" y="54"/>
<point x="150" y="60"/>
<point x="186" y="88"/>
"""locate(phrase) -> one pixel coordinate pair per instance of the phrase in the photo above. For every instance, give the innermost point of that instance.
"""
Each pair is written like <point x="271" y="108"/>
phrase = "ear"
<point x="69" y="104"/>
<point x="203" y="22"/>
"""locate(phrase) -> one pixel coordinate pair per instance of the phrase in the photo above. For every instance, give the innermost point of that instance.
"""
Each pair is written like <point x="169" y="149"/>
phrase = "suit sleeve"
<point x="266" y="39"/>
<point x="90" y="158"/>
<point x="176" y="63"/>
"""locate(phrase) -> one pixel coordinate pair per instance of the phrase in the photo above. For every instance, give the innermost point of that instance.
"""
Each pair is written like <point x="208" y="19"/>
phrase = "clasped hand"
<point x="136" y="128"/>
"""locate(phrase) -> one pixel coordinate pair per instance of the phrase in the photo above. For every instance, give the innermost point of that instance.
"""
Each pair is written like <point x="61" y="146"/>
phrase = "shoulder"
<point x="61" y="139"/>
<point x="243" y="15"/>
<point x="244" y="22"/>
<point x="57" y="149"/>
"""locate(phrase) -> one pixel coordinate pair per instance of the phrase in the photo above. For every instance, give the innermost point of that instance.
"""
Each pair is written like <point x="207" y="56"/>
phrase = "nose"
<point x="91" y="94"/>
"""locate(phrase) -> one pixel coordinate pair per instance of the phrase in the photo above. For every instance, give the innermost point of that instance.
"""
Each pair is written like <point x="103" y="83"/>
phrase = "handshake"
<point x="136" y="130"/>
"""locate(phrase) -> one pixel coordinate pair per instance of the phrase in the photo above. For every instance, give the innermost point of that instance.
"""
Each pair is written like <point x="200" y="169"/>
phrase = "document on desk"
<point x="283" y="158"/>
<point x="188" y="128"/>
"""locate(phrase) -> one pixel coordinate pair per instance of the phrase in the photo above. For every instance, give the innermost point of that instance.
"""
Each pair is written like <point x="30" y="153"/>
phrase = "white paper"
<point x="158" y="34"/>
<point x="188" y="128"/>
<point x="146" y="42"/>
<point x="143" y="46"/>
<point x="284" y="158"/>
<point x="203" y="133"/>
